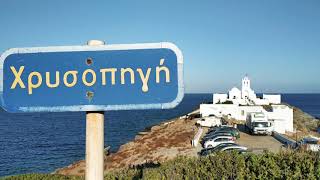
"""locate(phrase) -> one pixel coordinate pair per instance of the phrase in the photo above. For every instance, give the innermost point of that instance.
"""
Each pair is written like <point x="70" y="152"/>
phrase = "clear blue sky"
<point x="277" y="42"/>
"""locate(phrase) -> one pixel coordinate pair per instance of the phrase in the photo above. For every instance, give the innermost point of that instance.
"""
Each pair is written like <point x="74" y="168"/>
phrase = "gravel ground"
<point x="258" y="143"/>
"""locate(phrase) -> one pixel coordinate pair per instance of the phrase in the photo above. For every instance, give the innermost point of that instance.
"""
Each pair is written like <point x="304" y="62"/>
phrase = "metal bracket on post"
<point x="94" y="136"/>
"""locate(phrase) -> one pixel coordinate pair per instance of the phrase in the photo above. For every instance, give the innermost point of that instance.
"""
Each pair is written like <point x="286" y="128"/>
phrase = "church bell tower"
<point x="245" y="87"/>
<point x="246" y="83"/>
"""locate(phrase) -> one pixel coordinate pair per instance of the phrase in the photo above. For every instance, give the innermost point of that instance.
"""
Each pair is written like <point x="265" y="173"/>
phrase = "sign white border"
<point x="161" y="45"/>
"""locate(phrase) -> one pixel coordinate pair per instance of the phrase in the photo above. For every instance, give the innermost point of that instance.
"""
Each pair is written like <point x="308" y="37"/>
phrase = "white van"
<point x="258" y="123"/>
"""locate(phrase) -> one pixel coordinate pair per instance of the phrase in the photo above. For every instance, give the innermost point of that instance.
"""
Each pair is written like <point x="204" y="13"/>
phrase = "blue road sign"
<point x="92" y="78"/>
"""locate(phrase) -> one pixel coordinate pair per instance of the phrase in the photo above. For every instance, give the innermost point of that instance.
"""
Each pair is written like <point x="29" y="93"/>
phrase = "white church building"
<point x="238" y="104"/>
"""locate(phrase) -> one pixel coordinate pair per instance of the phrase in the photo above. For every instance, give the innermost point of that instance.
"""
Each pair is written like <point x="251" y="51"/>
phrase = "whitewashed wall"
<point x="283" y="117"/>
<point x="235" y="111"/>
<point x="219" y="97"/>
<point x="217" y="109"/>
<point x="258" y="101"/>
<point x="274" y="99"/>
<point x="235" y="93"/>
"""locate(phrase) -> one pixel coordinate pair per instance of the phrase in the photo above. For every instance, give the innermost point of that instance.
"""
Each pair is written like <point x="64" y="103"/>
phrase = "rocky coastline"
<point x="156" y="144"/>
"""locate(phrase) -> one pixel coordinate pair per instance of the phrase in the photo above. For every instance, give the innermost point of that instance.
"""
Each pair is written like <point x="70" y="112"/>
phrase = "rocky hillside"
<point x="304" y="121"/>
<point x="163" y="142"/>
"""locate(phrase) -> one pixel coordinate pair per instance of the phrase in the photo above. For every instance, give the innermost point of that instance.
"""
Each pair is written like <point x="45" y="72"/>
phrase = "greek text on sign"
<point x="92" y="78"/>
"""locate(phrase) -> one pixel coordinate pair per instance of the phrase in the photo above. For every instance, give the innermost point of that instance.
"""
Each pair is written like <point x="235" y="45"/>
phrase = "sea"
<point x="43" y="142"/>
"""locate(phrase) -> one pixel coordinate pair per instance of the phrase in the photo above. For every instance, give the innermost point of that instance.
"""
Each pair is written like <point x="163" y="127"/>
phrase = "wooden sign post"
<point x="94" y="139"/>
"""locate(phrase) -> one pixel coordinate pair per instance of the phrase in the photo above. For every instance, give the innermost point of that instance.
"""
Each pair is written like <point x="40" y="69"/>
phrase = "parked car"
<point x="235" y="134"/>
<point x="207" y="151"/>
<point x="234" y="131"/>
<point x="212" y="135"/>
<point x="309" y="143"/>
<point x="222" y="126"/>
<point x="212" y="129"/>
<point x="218" y="140"/>
<point x="209" y="121"/>
<point x="218" y="132"/>
<point x="240" y="149"/>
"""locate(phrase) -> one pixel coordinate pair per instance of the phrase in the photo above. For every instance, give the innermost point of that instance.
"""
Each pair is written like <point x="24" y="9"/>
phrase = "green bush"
<point x="284" y="165"/>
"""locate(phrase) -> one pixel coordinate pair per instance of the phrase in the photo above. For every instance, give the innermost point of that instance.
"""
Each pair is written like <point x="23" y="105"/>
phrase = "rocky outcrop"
<point x="304" y="121"/>
<point x="161" y="143"/>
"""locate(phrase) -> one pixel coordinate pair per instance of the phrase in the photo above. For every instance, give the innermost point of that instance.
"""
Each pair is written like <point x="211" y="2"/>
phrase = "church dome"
<point x="235" y="89"/>
<point x="234" y="93"/>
